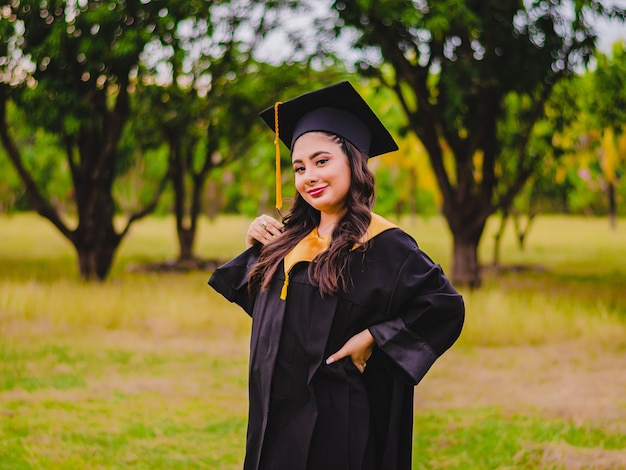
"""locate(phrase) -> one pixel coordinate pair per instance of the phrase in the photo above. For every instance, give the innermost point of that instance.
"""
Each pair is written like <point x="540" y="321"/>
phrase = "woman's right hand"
<point x="264" y="229"/>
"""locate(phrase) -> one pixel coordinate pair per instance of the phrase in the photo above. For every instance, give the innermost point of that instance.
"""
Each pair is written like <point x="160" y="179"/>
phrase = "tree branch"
<point x="43" y="207"/>
<point x="149" y="207"/>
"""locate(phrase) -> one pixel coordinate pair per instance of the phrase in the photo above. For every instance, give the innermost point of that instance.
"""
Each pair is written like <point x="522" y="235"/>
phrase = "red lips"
<point x="315" y="192"/>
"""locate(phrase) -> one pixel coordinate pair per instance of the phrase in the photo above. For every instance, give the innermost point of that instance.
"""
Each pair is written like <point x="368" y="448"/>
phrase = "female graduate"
<point x="348" y="314"/>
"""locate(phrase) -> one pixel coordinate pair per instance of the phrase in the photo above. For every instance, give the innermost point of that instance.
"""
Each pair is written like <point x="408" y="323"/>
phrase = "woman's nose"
<point x="311" y="176"/>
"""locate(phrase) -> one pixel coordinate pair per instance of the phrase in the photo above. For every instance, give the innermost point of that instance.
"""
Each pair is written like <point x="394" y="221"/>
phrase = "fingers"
<point x="339" y="355"/>
<point x="264" y="229"/>
<point x="334" y="357"/>
<point x="271" y="225"/>
<point x="359" y="362"/>
<point x="358" y="348"/>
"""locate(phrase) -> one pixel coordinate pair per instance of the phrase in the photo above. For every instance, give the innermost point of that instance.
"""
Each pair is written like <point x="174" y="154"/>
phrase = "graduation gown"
<point x="307" y="415"/>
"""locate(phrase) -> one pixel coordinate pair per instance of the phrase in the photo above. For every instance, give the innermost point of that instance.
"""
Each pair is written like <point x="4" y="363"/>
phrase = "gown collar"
<point x="312" y="245"/>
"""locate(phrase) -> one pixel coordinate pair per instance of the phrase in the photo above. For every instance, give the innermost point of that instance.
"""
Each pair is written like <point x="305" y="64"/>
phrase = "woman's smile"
<point x="316" y="192"/>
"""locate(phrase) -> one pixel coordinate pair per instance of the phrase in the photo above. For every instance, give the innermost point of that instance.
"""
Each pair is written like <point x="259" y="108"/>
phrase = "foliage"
<point x="607" y="104"/>
<point x="70" y="68"/>
<point x="405" y="183"/>
<point x="588" y="123"/>
<point x="452" y="65"/>
<point x="204" y="112"/>
<point x="12" y="195"/>
<point x="86" y="70"/>
<point x="192" y="69"/>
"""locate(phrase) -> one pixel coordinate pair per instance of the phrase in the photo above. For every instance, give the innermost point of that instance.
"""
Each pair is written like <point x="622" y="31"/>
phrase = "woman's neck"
<point x="327" y="223"/>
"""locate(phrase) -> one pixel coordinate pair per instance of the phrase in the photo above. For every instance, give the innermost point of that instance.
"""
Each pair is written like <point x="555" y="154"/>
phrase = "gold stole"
<point x="312" y="245"/>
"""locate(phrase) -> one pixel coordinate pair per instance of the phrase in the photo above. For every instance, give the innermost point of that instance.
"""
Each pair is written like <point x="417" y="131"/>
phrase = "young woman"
<point x="348" y="314"/>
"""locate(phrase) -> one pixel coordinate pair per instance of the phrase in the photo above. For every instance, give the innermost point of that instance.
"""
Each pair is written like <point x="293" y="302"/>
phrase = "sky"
<point x="608" y="34"/>
<point x="275" y="51"/>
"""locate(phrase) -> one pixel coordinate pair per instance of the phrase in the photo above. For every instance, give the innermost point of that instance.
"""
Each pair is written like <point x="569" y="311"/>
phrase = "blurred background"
<point x="133" y="159"/>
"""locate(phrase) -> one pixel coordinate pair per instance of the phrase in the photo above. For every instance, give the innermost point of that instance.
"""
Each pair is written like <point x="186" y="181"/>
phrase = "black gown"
<point x="307" y="415"/>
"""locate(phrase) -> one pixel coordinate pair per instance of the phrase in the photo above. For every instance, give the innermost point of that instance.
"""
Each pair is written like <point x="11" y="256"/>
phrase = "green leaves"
<point x="608" y="102"/>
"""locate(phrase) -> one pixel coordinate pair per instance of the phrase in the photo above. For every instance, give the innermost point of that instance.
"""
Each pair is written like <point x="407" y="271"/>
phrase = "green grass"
<point x="485" y="438"/>
<point x="148" y="371"/>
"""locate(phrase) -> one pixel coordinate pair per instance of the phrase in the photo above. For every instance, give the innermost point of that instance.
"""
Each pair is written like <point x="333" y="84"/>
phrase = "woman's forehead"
<point x="313" y="142"/>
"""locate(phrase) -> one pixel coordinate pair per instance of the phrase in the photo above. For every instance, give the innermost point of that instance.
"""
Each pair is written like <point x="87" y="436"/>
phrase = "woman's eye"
<point x="322" y="161"/>
<point x="298" y="169"/>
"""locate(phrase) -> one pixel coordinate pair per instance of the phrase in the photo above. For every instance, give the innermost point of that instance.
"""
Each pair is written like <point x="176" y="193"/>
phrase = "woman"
<point x="348" y="314"/>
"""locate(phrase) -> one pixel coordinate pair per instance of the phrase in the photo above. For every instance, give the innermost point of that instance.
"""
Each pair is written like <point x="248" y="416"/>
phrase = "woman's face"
<point x="322" y="172"/>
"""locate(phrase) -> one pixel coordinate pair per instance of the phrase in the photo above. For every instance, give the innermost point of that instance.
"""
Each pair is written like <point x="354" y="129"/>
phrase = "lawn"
<point x="148" y="370"/>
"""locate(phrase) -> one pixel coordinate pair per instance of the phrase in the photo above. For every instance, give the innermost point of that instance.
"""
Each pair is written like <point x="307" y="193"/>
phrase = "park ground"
<point x="148" y="370"/>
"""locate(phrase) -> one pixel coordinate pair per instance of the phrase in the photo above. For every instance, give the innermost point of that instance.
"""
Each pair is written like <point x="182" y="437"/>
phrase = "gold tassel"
<point x="279" y="190"/>
<point x="283" y="291"/>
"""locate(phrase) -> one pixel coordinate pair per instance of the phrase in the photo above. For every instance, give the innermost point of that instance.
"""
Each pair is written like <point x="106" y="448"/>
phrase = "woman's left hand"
<point x="358" y="348"/>
<point x="264" y="229"/>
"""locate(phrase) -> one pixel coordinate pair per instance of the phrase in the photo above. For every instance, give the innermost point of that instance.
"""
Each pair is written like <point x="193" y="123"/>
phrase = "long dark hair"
<point x="329" y="270"/>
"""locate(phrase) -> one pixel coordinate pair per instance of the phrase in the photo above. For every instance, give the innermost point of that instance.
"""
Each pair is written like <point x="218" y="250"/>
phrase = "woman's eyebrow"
<point x="311" y="157"/>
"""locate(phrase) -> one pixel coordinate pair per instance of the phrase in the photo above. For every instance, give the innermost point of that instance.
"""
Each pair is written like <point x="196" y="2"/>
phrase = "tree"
<point x="547" y="188"/>
<point x="452" y="64"/>
<point x="608" y="109"/>
<point x="72" y="67"/>
<point x="207" y="109"/>
<point x="588" y="121"/>
<point x="185" y="110"/>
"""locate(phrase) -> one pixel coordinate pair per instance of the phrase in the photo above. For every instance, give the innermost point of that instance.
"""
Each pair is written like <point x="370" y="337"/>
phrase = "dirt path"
<point x="564" y="380"/>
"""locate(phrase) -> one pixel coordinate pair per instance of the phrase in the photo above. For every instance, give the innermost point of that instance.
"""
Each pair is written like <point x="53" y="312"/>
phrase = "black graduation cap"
<point x="338" y="109"/>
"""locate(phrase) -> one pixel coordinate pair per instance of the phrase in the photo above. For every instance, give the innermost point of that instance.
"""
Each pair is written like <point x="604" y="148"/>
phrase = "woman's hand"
<point x="264" y="229"/>
<point x="358" y="348"/>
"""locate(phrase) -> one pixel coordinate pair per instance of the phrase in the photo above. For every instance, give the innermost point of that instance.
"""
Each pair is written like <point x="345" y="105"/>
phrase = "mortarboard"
<point x="338" y="109"/>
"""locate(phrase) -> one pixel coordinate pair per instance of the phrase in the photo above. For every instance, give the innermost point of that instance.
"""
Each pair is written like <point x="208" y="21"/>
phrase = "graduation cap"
<point x="338" y="109"/>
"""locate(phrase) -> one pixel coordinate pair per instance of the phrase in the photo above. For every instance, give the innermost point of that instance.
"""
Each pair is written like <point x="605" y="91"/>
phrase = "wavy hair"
<point x="329" y="270"/>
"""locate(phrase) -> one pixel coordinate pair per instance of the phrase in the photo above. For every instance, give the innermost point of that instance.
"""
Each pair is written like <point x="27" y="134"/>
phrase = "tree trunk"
<point x="187" y="182"/>
<point x="522" y="232"/>
<point x="497" y="238"/>
<point x="465" y="264"/>
<point x="413" y="193"/>
<point x="612" y="204"/>
<point x="186" y="239"/>
<point x="95" y="256"/>
<point x="95" y="238"/>
<point x="186" y="214"/>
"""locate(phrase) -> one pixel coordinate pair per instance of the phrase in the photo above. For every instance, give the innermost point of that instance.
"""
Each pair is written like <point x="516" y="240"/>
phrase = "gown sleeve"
<point x="231" y="279"/>
<point x="425" y="317"/>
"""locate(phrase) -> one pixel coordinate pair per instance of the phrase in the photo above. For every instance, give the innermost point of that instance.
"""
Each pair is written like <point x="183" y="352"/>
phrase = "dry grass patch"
<point x="569" y="381"/>
<point x="561" y="455"/>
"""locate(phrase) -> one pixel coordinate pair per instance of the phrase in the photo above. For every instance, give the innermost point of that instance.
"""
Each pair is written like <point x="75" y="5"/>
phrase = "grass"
<point x="148" y="371"/>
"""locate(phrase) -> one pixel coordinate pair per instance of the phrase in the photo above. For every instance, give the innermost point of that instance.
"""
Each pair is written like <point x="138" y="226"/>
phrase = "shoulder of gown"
<point x="231" y="279"/>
